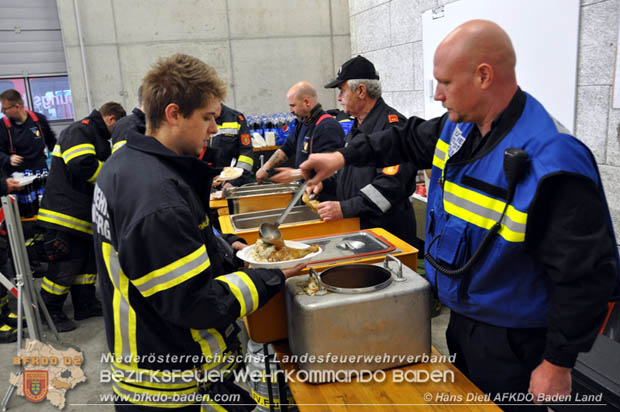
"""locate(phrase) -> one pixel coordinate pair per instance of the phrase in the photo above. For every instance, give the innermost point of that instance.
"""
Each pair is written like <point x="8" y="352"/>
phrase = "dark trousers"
<point x="72" y="268"/>
<point x="496" y="359"/>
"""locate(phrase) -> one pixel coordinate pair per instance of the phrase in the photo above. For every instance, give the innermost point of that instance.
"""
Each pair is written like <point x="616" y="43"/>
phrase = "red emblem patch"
<point x="392" y="118"/>
<point x="35" y="385"/>
<point x="391" y="170"/>
<point x="240" y="117"/>
<point x="245" y="139"/>
<point x="85" y="121"/>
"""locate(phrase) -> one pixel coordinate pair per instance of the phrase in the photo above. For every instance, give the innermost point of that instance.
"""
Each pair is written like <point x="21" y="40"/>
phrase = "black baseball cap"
<point x="357" y="68"/>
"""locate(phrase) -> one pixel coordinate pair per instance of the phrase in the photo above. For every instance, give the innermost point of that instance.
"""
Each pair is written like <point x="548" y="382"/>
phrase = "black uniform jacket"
<point x="135" y="121"/>
<point x="308" y="137"/>
<point x="566" y="218"/>
<point x="155" y="246"/>
<point x="27" y="142"/>
<point x="232" y="141"/>
<point x="379" y="196"/>
<point x="76" y="162"/>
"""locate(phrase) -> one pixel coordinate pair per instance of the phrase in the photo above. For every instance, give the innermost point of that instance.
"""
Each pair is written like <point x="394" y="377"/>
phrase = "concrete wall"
<point x="389" y="33"/>
<point x="260" y="48"/>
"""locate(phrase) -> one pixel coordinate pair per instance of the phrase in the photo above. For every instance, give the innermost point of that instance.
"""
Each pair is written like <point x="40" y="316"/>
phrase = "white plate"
<point x="244" y="253"/>
<point x="238" y="172"/>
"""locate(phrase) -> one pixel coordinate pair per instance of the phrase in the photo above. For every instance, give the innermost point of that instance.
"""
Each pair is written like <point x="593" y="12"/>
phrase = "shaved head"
<point x="480" y="41"/>
<point x="302" y="90"/>
<point x="475" y="71"/>
<point x="301" y="99"/>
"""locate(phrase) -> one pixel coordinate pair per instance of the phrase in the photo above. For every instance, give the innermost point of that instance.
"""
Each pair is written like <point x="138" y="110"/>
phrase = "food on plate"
<point x="230" y="173"/>
<point x="264" y="252"/>
<point x="312" y="204"/>
<point x="217" y="195"/>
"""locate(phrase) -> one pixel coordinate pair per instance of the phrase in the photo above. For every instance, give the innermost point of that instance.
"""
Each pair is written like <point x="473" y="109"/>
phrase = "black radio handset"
<point x="515" y="167"/>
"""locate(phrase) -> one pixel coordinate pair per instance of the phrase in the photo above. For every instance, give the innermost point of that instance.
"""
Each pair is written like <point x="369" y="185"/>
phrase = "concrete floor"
<point x="90" y="337"/>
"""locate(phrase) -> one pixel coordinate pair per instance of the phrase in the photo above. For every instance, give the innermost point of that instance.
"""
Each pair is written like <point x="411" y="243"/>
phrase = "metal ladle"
<point x="269" y="232"/>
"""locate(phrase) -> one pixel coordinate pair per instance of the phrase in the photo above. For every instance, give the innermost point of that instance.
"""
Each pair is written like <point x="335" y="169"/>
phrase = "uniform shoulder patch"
<point x="390" y="170"/>
<point x="85" y="121"/>
<point x="392" y="118"/>
<point x="245" y="139"/>
<point x="240" y="117"/>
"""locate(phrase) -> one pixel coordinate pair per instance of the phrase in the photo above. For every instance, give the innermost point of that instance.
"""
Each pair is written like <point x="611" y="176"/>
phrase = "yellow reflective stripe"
<point x="57" y="151"/>
<point x="229" y="125"/>
<point x="245" y="162"/>
<point x="174" y="273"/>
<point x="61" y="219"/>
<point x="5" y="328"/>
<point x="94" y="176"/>
<point x="87" y="279"/>
<point x="141" y="377"/>
<point x="243" y="289"/>
<point x="484" y="211"/>
<point x="125" y="343"/>
<point x="149" y="373"/>
<point x="54" y="288"/>
<point x="131" y="394"/>
<point x="118" y="145"/>
<point x="441" y="154"/>
<point x="78" y="150"/>
<point x="210" y="340"/>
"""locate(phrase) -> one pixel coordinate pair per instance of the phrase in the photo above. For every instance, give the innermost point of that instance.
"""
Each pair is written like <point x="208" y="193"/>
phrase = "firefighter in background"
<point x="8" y="319"/>
<point x="168" y="303"/>
<point x="134" y="121"/>
<point x="315" y="132"/>
<point x="232" y="141"/>
<point x="23" y="136"/>
<point x="378" y="196"/>
<point x="65" y="214"/>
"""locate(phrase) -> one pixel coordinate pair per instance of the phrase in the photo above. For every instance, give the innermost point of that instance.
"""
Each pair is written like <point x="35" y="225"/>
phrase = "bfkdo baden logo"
<point x="35" y="385"/>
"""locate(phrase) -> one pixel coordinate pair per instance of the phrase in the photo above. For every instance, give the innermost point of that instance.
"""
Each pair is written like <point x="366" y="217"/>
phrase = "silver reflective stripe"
<point x="226" y="131"/>
<point x="115" y="268"/>
<point x="141" y="397"/>
<point x="245" y="291"/>
<point x="180" y="271"/>
<point x="70" y="222"/>
<point x="441" y="155"/>
<point x="55" y="287"/>
<point x="144" y="376"/>
<point x="484" y="212"/>
<point x="211" y="340"/>
<point x="245" y="166"/>
<point x="560" y="126"/>
<point x="376" y="197"/>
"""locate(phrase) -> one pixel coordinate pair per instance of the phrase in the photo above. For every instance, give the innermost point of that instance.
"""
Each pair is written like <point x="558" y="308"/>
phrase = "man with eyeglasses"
<point x="23" y="136"/>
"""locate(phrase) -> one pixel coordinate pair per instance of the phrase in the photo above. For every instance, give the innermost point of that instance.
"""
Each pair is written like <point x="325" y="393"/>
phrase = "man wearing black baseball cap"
<point x="376" y="196"/>
<point x="356" y="68"/>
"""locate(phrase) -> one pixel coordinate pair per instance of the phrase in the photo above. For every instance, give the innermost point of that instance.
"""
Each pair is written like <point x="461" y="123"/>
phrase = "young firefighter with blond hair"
<point x="168" y="303"/>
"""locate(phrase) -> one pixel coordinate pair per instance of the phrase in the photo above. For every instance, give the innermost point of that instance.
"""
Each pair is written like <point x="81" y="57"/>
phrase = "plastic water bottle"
<point x="42" y="184"/>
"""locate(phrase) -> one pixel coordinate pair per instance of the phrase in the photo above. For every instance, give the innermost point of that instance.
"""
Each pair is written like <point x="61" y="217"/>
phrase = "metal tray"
<point x="349" y="245"/>
<point x="251" y="221"/>
<point x="259" y="190"/>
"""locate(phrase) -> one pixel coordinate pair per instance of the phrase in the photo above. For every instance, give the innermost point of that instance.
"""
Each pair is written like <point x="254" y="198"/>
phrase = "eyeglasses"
<point x="4" y="109"/>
